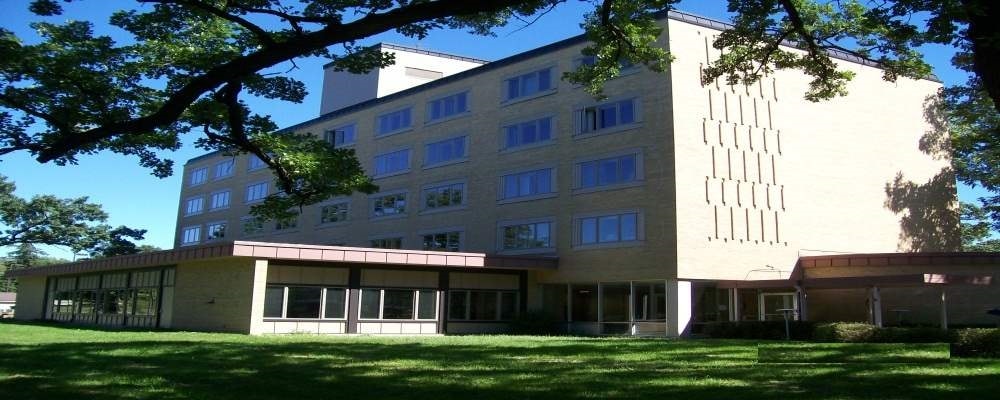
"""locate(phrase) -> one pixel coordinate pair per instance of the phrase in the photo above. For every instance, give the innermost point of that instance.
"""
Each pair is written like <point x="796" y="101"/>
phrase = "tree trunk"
<point x="984" y="36"/>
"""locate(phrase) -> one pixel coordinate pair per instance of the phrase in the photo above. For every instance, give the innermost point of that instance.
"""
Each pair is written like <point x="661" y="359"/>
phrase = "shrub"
<point x="850" y="332"/>
<point x="766" y="330"/>
<point x="855" y="332"/>
<point x="976" y="342"/>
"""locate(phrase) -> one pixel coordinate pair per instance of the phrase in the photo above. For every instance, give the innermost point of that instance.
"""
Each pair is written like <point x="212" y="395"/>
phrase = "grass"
<point x="50" y="362"/>
<point x="812" y="353"/>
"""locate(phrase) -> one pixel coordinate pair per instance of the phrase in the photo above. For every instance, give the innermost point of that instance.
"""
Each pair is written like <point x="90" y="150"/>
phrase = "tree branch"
<point x="257" y="31"/>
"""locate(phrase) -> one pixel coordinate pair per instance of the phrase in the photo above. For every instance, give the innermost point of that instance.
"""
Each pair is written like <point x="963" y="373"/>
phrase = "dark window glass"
<point x="335" y="302"/>
<point x="456" y="305"/>
<point x="303" y="302"/>
<point x="427" y="304"/>
<point x="88" y="299"/>
<point x="145" y="302"/>
<point x="397" y="304"/>
<point x="273" y="297"/>
<point x="483" y="306"/>
<point x="508" y="305"/>
<point x="584" y="303"/>
<point x="369" y="303"/>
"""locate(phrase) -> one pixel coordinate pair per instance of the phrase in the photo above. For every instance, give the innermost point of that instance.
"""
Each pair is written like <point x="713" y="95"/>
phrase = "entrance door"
<point x="772" y="303"/>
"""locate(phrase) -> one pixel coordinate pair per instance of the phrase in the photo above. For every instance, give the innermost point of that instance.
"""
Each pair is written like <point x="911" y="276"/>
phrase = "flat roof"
<point x="880" y="259"/>
<point x="296" y="252"/>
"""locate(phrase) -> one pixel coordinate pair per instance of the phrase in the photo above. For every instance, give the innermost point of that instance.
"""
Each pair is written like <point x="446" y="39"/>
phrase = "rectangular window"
<point x="342" y="136"/>
<point x="444" y="196"/>
<point x="623" y="65"/>
<point x="190" y="235"/>
<point x="482" y="305"/>
<point x="528" y="183"/>
<point x="447" y="106"/>
<point x="333" y="213"/>
<point x="527" y="133"/>
<point x="256" y="192"/>
<point x="536" y="235"/>
<point x="303" y="302"/>
<point x="394" y="121"/>
<point x="444" y="241"/>
<point x="394" y="162"/>
<point x="605" y="116"/>
<point x="254" y="163"/>
<point x="388" y="205"/>
<point x="336" y="303"/>
<point x="371" y="304"/>
<point x="219" y="200"/>
<point x="426" y="304"/>
<point x="287" y="223"/>
<point x="528" y="84"/>
<point x="398" y="304"/>
<point x="216" y="230"/>
<point x="252" y="225"/>
<point x="224" y="169"/>
<point x="445" y="150"/>
<point x="198" y="177"/>
<point x="608" y="171"/>
<point x="274" y="300"/>
<point x="609" y="228"/>
<point x="194" y="206"/>
<point x="387" y="243"/>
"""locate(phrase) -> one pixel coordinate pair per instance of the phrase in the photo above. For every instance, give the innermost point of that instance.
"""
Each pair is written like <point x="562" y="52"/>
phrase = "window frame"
<point x="322" y="302"/>
<point x="409" y="163"/>
<point x="211" y="200"/>
<point x="246" y="192"/>
<point x="639" y="179"/>
<point x="210" y="225"/>
<point x="391" y="236"/>
<point x="499" y="301"/>
<point x="184" y="231"/>
<point x="444" y="231"/>
<point x="637" y="116"/>
<point x="259" y="223"/>
<point x="255" y="165"/>
<point x="377" y="126"/>
<point x="464" y="204"/>
<point x="425" y="164"/>
<point x="347" y="212"/>
<point x="296" y="224"/>
<point x="640" y="234"/>
<point x="232" y="169"/>
<point x="329" y="135"/>
<point x="553" y="178"/>
<point x="506" y="99"/>
<point x="406" y="204"/>
<point x="553" y="132"/>
<point x="203" y="171"/>
<point x="416" y="304"/>
<point x="553" y="243"/>
<point x="428" y="107"/>
<point x="187" y="205"/>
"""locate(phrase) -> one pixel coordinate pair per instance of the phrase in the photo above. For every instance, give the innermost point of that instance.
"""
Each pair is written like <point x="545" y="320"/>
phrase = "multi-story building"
<point x="670" y="202"/>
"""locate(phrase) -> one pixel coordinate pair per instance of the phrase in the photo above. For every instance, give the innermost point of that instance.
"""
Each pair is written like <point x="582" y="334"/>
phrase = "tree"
<point x="192" y="61"/>
<point x="25" y="255"/>
<point x="976" y="230"/>
<point x="73" y="223"/>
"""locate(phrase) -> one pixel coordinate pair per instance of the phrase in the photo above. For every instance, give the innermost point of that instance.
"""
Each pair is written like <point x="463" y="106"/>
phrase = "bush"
<point x="854" y="332"/>
<point x="765" y="330"/>
<point x="976" y="342"/>
<point x="849" y="332"/>
<point x="536" y="323"/>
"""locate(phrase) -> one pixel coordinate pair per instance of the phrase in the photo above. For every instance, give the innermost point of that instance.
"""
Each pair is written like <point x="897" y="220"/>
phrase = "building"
<point x="7" y="301"/>
<point x="504" y="189"/>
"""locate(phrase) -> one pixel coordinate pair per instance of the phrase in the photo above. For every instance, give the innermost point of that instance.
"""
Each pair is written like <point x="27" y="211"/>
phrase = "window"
<point x="252" y="225"/>
<point x="224" y="169"/>
<point x="528" y="84"/>
<point x="443" y="241"/>
<point x="444" y="196"/>
<point x="216" y="230"/>
<point x="254" y="163"/>
<point x="343" y="136"/>
<point x="387" y="243"/>
<point x="394" y="121"/>
<point x="190" y="235"/>
<point x="286" y="223"/>
<point x="447" y="106"/>
<point x="482" y="305"/>
<point x="398" y="304"/>
<point x="607" y="171"/>
<point x="388" y="205"/>
<point x="609" y="228"/>
<point x="194" y="205"/>
<point x="392" y="163"/>
<point x="445" y="150"/>
<point x="333" y="213"/>
<point x="219" y="200"/>
<point x="256" y="192"/>
<point x="535" y="235"/>
<point x="605" y="116"/>
<point x="623" y="65"/>
<point x="527" y="133"/>
<point x="523" y="184"/>
<point x="198" y="177"/>
<point x="304" y="302"/>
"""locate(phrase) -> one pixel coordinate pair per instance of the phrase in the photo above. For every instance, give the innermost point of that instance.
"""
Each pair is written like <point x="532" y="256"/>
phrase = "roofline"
<point x="681" y="16"/>
<point x="893" y="259"/>
<point x="394" y="46"/>
<point x="295" y="252"/>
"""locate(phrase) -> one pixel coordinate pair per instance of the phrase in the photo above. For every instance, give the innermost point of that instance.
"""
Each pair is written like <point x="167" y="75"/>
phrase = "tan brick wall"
<point x="30" y="298"/>
<point x="214" y="295"/>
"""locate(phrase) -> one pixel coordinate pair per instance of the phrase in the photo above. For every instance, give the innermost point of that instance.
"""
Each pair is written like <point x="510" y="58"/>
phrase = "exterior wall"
<point x="217" y="295"/>
<point x="848" y="174"/>
<point x="342" y="88"/>
<point x="30" y="298"/>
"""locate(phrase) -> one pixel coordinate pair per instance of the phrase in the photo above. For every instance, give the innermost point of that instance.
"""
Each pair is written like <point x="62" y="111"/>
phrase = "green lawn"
<point x="38" y="361"/>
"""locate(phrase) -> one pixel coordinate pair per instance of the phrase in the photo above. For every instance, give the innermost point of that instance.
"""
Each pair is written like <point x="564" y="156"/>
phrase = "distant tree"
<point x="148" y="248"/>
<point x="25" y="255"/>
<point x="976" y="232"/>
<point x="72" y="223"/>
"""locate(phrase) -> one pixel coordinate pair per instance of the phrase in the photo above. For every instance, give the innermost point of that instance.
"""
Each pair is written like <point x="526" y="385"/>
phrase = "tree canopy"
<point x="192" y="63"/>
<point x="73" y="223"/>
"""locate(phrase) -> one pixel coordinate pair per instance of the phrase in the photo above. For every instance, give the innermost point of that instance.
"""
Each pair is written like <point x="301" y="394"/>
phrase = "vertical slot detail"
<point x="774" y="173"/>
<point x="713" y="163"/>
<point x="729" y="162"/>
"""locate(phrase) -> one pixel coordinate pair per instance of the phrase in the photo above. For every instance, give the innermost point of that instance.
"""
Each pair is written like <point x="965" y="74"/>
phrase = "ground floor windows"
<point x="132" y="298"/>
<point x="481" y="305"/>
<point x="305" y="302"/>
<point x="398" y="304"/>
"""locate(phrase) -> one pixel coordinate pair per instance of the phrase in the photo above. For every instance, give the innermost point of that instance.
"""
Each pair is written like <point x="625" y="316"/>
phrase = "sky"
<point x="135" y="198"/>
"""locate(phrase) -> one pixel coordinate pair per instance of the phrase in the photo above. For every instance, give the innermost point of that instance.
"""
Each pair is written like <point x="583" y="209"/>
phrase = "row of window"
<point x="539" y="234"/>
<point x="312" y="302"/>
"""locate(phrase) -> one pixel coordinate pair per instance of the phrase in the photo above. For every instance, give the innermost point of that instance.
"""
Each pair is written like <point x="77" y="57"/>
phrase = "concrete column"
<point x="678" y="308"/>
<point x="353" y="298"/>
<point x="803" y="297"/>
<point x="257" y="302"/>
<point x="444" y="284"/>
<point x="876" y="307"/>
<point x="944" y="309"/>
<point x="734" y="305"/>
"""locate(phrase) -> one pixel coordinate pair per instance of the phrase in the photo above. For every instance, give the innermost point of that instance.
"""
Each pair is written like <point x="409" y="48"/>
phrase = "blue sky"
<point x="135" y="198"/>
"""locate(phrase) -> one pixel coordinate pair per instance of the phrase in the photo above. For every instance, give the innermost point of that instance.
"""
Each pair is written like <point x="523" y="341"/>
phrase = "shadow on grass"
<point x="870" y="353"/>
<point x="155" y="365"/>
